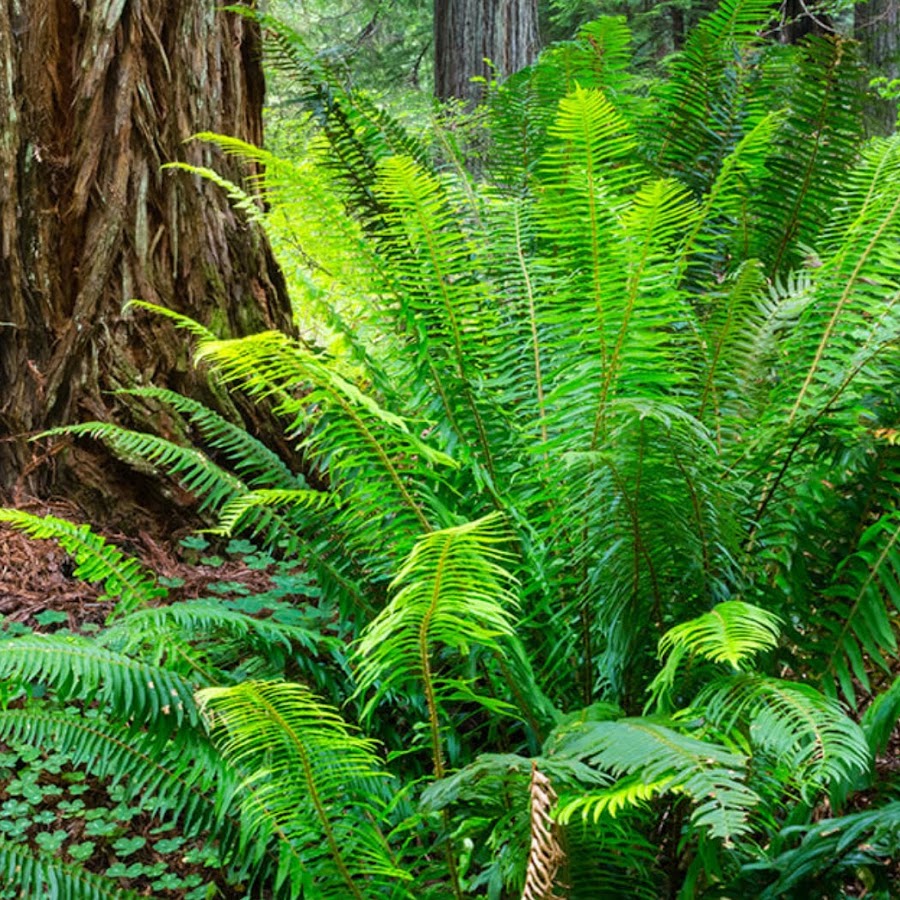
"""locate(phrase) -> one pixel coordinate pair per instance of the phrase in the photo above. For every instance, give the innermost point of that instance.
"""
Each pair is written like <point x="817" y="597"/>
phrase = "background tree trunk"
<point x="468" y="31"/>
<point x="876" y="25"/>
<point x="96" y="96"/>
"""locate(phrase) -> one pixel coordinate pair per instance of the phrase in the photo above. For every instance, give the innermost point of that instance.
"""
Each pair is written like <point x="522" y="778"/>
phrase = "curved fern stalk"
<point x="123" y="578"/>
<point x="310" y="782"/>
<point x="35" y="874"/>
<point x="77" y="668"/>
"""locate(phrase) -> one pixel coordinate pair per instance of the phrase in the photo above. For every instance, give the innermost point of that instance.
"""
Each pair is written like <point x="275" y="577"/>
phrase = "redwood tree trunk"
<point x="468" y="31"/>
<point x="95" y="97"/>
<point x="877" y="28"/>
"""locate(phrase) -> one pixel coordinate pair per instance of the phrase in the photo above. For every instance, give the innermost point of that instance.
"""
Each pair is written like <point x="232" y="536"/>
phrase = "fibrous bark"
<point x="95" y="97"/>
<point x="467" y="32"/>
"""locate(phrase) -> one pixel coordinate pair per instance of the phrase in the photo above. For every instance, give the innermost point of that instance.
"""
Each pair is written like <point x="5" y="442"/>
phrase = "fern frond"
<point x="710" y="774"/>
<point x="77" y="668"/>
<point x="732" y="632"/>
<point x="811" y="734"/>
<point x="181" y="321"/>
<point x="123" y="578"/>
<point x="836" y="849"/>
<point x="310" y="782"/>
<point x="234" y="512"/>
<point x="453" y="591"/>
<point x="35" y="874"/>
<point x="196" y="472"/>
<point x="249" y="456"/>
<point x="180" y="773"/>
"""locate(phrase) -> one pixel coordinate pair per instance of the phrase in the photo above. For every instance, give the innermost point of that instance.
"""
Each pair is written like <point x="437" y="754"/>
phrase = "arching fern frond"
<point x="710" y="774"/>
<point x="77" y="668"/>
<point x="249" y="456"/>
<point x="818" y="743"/>
<point x="196" y="472"/>
<point x="732" y="632"/>
<point x="451" y="591"/>
<point x="123" y="578"/>
<point x="36" y="874"/>
<point x="310" y="784"/>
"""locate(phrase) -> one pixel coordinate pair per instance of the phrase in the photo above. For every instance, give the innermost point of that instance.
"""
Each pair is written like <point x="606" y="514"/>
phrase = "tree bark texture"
<point x="466" y="32"/>
<point x="95" y="97"/>
<point x="876" y="26"/>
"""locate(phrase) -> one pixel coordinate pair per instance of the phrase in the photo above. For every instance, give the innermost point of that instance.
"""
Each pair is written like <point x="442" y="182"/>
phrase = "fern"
<point x="43" y="876"/>
<point x="302" y="764"/>
<point x="123" y="578"/>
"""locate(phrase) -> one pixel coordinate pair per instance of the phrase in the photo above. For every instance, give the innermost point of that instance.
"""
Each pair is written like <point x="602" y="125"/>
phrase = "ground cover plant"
<point x="596" y="411"/>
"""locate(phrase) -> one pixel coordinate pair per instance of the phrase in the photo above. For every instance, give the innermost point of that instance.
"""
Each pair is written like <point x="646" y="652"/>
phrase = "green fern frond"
<point x="181" y="321"/>
<point x="123" y="578"/>
<point x="235" y="511"/>
<point x="180" y="773"/>
<point x="710" y="774"/>
<point x="309" y="781"/>
<point x="818" y="743"/>
<point x="453" y="591"/>
<point x="732" y="632"/>
<point x="196" y="472"/>
<point x="77" y="668"/>
<point x="36" y="874"/>
<point x="626" y="794"/>
<point x="857" y="619"/>
<point x="249" y="455"/>
<point x="835" y="850"/>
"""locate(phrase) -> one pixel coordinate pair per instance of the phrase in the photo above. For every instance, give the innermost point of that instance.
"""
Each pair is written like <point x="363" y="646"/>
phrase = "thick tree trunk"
<point x="877" y="28"/>
<point x="466" y="32"/>
<point x="95" y="97"/>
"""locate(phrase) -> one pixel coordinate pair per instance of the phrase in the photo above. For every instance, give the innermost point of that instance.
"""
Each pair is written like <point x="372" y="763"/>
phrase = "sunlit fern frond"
<point x="733" y="632"/>
<point x="713" y="776"/>
<point x="310" y="786"/>
<point x="123" y="577"/>
<point x="451" y="591"/>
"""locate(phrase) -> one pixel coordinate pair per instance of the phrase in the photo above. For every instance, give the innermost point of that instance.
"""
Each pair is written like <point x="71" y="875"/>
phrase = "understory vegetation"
<point x="590" y="573"/>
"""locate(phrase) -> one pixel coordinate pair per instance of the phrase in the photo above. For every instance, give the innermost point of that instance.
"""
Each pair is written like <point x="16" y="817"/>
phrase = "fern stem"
<point x="845" y="296"/>
<point x="532" y="319"/>
<point x="433" y="724"/>
<point x="317" y="803"/>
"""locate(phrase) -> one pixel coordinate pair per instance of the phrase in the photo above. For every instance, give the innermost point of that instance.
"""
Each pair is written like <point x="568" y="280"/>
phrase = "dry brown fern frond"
<point x="546" y="855"/>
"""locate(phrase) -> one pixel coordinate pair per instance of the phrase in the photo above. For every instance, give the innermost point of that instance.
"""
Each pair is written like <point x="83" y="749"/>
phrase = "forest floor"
<point x="44" y="801"/>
